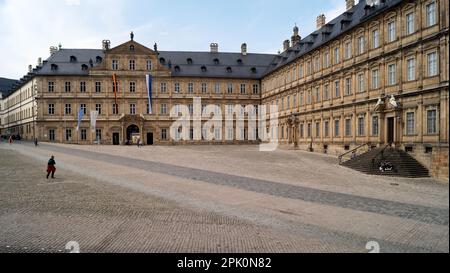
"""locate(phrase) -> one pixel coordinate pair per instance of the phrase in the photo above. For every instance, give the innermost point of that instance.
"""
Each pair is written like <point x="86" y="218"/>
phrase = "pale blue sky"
<point x="28" y="27"/>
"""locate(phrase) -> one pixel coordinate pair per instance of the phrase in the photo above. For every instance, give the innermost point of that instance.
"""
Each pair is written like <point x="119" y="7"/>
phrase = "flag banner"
<point x="149" y="80"/>
<point x="115" y="87"/>
<point x="94" y="115"/>
<point x="80" y="117"/>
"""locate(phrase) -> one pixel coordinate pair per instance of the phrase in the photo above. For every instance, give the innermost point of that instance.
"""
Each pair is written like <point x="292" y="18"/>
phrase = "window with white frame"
<point x="230" y="88"/>
<point x="375" y="79"/>
<point x="217" y="88"/>
<point x="163" y="87"/>
<point x="431" y="121"/>
<point x="190" y="88"/>
<point x="392" y="74"/>
<point x="98" y="108"/>
<point x="326" y="128"/>
<point x="348" y="127"/>
<point x="115" y="65"/>
<point x="432" y="64"/>
<point x="177" y="87"/>
<point x="163" y="109"/>
<point x="326" y="59"/>
<point x="431" y="14"/>
<point x="375" y="127"/>
<point x="337" y="89"/>
<point x="317" y="95"/>
<point x="410" y="23"/>
<point x="337" y="128"/>
<point x="361" y="82"/>
<point x="410" y="69"/>
<point x="326" y="92"/>
<point x="410" y="123"/>
<point x="51" y="87"/>
<point x="361" y="126"/>
<point x="255" y="89"/>
<point x="149" y="65"/>
<point x="361" y="45"/>
<point x="348" y="50"/>
<point x="348" y="86"/>
<point x="51" y="109"/>
<point x="336" y="55"/>
<point x="132" y="109"/>
<point x="204" y="88"/>
<point x="392" y="33"/>
<point x="132" y="87"/>
<point x="375" y="38"/>
<point x="243" y="89"/>
<point x="317" y="129"/>
<point x="132" y="65"/>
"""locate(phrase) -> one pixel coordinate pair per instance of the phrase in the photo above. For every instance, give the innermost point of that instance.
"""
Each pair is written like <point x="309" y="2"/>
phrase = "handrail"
<point x="352" y="151"/>
<point x="380" y="153"/>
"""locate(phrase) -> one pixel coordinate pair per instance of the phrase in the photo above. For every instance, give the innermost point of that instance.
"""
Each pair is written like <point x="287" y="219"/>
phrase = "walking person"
<point x="36" y="143"/>
<point x="51" y="169"/>
<point x="10" y="140"/>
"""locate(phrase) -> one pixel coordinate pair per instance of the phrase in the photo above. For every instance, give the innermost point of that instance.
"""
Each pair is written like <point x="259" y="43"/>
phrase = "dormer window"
<point x="253" y="69"/>
<point x="131" y="48"/>
<point x="98" y="59"/>
<point x="162" y="60"/>
<point x="84" y="67"/>
<point x="73" y="59"/>
<point x="204" y="69"/>
<point x="54" y="67"/>
<point x="229" y="70"/>
<point x="216" y="61"/>
<point x="189" y="61"/>
<point x="239" y="62"/>
<point x="177" y="68"/>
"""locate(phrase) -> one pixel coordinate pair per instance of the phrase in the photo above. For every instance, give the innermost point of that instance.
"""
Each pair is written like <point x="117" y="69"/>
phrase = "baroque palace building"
<point x="376" y="74"/>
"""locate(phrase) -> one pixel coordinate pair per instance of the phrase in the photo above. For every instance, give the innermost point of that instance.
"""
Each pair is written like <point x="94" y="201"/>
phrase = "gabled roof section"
<point x="131" y="47"/>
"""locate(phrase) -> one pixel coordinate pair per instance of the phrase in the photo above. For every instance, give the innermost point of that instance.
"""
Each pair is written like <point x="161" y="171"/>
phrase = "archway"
<point x="133" y="134"/>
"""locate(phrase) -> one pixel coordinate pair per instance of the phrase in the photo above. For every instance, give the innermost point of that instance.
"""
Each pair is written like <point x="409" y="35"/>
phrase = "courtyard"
<point x="159" y="199"/>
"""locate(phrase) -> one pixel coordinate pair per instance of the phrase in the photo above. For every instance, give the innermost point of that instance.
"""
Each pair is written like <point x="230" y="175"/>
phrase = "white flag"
<point x="94" y="115"/>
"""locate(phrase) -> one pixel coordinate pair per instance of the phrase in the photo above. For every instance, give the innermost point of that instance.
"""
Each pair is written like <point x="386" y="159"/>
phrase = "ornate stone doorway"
<point x="133" y="134"/>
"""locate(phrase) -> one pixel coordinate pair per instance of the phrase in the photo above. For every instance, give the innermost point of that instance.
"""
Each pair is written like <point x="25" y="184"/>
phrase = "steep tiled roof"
<point x="6" y="86"/>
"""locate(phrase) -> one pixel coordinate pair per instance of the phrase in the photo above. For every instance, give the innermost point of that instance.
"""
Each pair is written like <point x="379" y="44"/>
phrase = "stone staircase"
<point x="404" y="164"/>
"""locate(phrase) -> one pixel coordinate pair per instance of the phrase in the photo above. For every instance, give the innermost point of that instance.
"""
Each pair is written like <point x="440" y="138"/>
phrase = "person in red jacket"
<point x="51" y="169"/>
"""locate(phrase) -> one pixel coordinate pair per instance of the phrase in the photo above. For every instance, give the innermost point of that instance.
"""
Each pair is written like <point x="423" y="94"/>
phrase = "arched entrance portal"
<point x="133" y="134"/>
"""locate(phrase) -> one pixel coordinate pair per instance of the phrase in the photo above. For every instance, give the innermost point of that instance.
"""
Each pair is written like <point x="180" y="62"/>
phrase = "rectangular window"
<point x="177" y="88"/>
<point x="375" y="130"/>
<point x="326" y="60"/>
<point x="431" y="122"/>
<point x="317" y="129"/>
<point x="51" y="109"/>
<point x="149" y="65"/>
<point x="410" y="123"/>
<point x="132" y="87"/>
<point x="348" y="127"/>
<point x="83" y="134"/>
<point x="337" y="89"/>
<point x="431" y="14"/>
<point x="410" y="69"/>
<point x="230" y="88"/>
<point x="98" y="134"/>
<point x="98" y="108"/>
<point x="51" y="87"/>
<point x="68" y="109"/>
<point x="83" y="108"/>
<point x="361" y="126"/>
<point x="164" y="134"/>
<point x="348" y="50"/>
<point x="68" y="134"/>
<point x="217" y="88"/>
<point x="204" y="88"/>
<point x="115" y="65"/>
<point x="336" y="128"/>
<point x="348" y="86"/>
<point x="361" y="43"/>
<point x="326" y="92"/>
<point x="375" y="79"/>
<point x="243" y="91"/>
<point x="163" y="87"/>
<point x="115" y="108"/>
<point x="51" y="135"/>
<point x="67" y="87"/>
<point x="302" y="132"/>
<point x="132" y="109"/>
<point x="309" y="100"/>
<point x="163" y="109"/>
<point x="392" y="74"/>
<point x="132" y="65"/>
<point x="392" y="35"/>
<point x="409" y="23"/>
<point x="318" y="97"/>
<point x="98" y="87"/>
<point x="375" y="39"/>
<point x="432" y="64"/>
<point x="82" y="87"/>
<point x="361" y="83"/>
<point x="326" y="129"/>
<point x="301" y="71"/>
<point x="336" y="55"/>
<point x="309" y="130"/>
<point x="255" y="89"/>
<point x="190" y="88"/>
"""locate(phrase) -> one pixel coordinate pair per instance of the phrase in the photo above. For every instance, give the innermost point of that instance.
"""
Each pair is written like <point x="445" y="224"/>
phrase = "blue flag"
<point x="80" y="117"/>
<point x="149" y="81"/>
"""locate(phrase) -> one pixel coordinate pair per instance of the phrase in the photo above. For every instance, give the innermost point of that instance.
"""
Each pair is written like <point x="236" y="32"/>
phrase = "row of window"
<point x="115" y="65"/>
<point x="163" y="88"/>
<point x="334" y="57"/>
<point x="318" y="95"/>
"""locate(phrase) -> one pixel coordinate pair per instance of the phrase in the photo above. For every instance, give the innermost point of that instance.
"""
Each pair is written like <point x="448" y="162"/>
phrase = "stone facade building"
<point x="374" y="75"/>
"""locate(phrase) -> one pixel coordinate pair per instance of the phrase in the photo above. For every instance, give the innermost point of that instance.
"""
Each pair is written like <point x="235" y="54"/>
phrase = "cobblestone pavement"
<point x="210" y="199"/>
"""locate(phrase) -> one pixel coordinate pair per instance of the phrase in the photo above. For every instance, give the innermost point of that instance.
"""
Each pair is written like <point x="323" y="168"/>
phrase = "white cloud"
<point x="73" y="2"/>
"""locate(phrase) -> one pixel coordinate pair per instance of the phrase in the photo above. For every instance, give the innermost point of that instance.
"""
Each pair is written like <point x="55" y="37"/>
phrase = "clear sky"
<point x="29" y="27"/>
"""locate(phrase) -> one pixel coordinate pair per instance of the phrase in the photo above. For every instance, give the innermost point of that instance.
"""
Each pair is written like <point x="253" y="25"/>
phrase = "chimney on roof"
<point x="53" y="50"/>
<point x="39" y="62"/>
<point x="286" y="45"/>
<point x="244" y="49"/>
<point x="349" y="4"/>
<point x="105" y="45"/>
<point x="214" y="47"/>
<point x="30" y="68"/>
<point x="321" y="20"/>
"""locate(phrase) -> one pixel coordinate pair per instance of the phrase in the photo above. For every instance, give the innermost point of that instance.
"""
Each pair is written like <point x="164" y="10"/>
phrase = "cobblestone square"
<point x="222" y="199"/>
